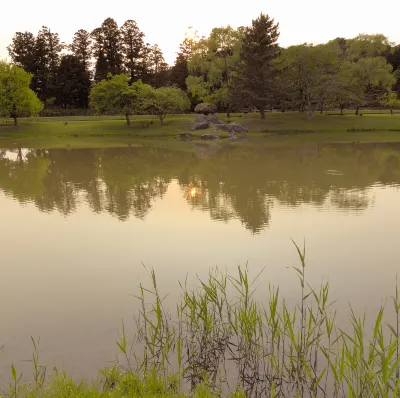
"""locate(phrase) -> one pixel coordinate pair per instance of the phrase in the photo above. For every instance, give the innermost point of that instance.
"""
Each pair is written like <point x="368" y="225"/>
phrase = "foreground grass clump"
<point x="220" y="341"/>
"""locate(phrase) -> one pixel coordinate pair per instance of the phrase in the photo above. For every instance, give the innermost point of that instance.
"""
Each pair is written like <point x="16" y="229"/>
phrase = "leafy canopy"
<point x="116" y="96"/>
<point x="16" y="98"/>
<point x="165" y="100"/>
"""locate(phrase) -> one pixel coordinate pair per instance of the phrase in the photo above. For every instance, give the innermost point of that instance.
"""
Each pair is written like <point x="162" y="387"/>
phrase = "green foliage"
<point x="81" y="47"/>
<point x="310" y="73"/>
<point x="367" y="46"/>
<point x="165" y="100"/>
<point x="132" y="44"/>
<point x="254" y="85"/>
<point x="116" y="96"/>
<point x="390" y="100"/>
<point x="212" y="65"/>
<point x="205" y="108"/>
<point x="72" y="83"/>
<point x="16" y="98"/>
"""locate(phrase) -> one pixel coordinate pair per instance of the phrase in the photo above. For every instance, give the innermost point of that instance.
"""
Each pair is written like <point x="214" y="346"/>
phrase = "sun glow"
<point x="193" y="192"/>
<point x="191" y="33"/>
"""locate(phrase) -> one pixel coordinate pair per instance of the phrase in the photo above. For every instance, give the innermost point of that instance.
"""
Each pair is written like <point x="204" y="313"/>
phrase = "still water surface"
<point x="78" y="225"/>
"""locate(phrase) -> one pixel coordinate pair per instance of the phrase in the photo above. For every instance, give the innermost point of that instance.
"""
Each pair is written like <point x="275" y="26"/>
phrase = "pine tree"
<point x="179" y="72"/>
<point x="255" y="77"/>
<point x="132" y="48"/>
<point x="22" y="51"/>
<point x="47" y="53"/>
<point x="107" y="49"/>
<point x="112" y="46"/>
<point x="158" y="67"/>
<point x="72" y="83"/>
<point x="81" y="47"/>
<point x="101" y="64"/>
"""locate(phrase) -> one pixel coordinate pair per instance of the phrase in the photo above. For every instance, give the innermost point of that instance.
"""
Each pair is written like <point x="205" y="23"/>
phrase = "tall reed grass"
<point x="216" y="343"/>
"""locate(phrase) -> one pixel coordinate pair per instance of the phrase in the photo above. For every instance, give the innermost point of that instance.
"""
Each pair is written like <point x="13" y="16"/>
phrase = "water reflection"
<point x="235" y="182"/>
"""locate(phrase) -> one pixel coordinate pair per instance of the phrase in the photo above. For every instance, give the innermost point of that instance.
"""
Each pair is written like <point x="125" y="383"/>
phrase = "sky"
<point x="165" y="22"/>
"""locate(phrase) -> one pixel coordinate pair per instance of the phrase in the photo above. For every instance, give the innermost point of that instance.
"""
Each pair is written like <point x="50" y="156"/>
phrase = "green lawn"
<point x="278" y="129"/>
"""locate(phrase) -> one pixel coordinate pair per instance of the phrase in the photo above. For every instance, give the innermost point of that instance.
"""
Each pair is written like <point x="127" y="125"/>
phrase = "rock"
<point x="201" y="118"/>
<point x="232" y="128"/>
<point x="237" y="128"/>
<point x="224" y="127"/>
<point x="185" y="136"/>
<point x="201" y="126"/>
<point x="212" y="119"/>
<point x="209" y="137"/>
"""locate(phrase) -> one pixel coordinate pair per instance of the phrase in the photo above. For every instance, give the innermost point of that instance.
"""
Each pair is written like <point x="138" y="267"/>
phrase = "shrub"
<point x="205" y="108"/>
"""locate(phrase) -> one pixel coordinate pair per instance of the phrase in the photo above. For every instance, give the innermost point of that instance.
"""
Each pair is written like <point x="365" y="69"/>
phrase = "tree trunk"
<point x="128" y="120"/>
<point x="228" y="112"/>
<point x="15" y="121"/>
<point x="391" y="111"/>
<point x="357" y="110"/>
<point x="341" y="111"/>
<point x="262" y="113"/>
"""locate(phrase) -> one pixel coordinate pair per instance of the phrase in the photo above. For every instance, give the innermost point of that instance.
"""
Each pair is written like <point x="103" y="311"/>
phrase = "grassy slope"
<point x="112" y="131"/>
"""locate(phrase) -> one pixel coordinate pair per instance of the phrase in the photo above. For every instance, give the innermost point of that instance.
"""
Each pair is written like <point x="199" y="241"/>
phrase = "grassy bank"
<point x="221" y="342"/>
<point x="278" y="128"/>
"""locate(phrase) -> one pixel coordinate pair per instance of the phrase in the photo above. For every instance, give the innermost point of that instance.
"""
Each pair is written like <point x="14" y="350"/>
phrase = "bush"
<point x="205" y="108"/>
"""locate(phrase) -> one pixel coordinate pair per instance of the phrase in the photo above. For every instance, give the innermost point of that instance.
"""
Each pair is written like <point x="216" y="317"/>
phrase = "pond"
<point x="79" y="227"/>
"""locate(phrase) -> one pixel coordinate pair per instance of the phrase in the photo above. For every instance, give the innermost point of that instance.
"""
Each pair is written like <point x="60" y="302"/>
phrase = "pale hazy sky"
<point x="165" y="21"/>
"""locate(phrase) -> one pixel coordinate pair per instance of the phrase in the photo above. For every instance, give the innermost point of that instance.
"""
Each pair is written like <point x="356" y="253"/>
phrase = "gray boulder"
<point x="201" y="126"/>
<point x="232" y="128"/>
<point x="237" y="128"/>
<point x="213" y="119"/>
<point x="201" y="118"/>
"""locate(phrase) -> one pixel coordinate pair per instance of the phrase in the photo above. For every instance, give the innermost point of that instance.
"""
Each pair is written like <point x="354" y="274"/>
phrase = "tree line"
<point x="234" y="69"/>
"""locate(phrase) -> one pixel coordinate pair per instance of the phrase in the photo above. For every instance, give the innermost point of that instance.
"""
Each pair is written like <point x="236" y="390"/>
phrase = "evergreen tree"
<point x="394" y="59"/>
<point x="159" y="69"/>
<point x="101" y="64"/>
<point x="72" y="83"/>
<point x="255" y="77"/>
<point x="112" y="45"/>
<point x="107" y="49"/>
<point x="81" y="47"/>
<point x="22" y="51"/>
<point x="132" y="48"/>
<point x="47" y="52"/>
<point x="180" y="72"/>
<point x="145" y="64"/>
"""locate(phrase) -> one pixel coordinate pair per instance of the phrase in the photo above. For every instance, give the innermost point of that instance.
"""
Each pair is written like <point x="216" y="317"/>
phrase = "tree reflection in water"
<point x="232" y="183"/>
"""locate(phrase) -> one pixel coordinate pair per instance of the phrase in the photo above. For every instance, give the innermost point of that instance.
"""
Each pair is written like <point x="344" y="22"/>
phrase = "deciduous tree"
<point x="16" y="98"/>
<point x="116" y="96"/>
<point x="212" y="66"/>
<point x="165" y="100"/>
<point x="390" y="100"/>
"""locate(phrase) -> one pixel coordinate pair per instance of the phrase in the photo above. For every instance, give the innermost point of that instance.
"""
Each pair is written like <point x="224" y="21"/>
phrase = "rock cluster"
<point x="204" y="122"/>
